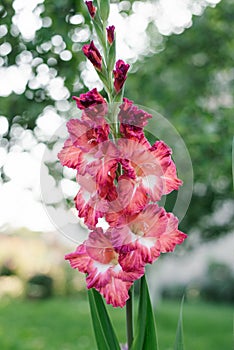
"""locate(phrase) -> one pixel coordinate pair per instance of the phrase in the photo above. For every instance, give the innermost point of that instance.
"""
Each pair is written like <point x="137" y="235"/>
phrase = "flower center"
<point x="115" y="259"/>
<point x="139" y="229"/>
<point x="110" y="256"/>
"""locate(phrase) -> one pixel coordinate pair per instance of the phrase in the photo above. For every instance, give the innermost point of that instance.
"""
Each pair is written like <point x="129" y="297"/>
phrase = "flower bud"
<point x="91" y="8"/>
<point x="120" y="74"/>
<point x="92" y="53"/>
<point x="110" y="34"/>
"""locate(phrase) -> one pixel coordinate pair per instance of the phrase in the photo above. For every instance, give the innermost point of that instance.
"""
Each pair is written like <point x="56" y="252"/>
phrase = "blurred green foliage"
<point x="190" y="81"/>
<point x="218" y="284"/>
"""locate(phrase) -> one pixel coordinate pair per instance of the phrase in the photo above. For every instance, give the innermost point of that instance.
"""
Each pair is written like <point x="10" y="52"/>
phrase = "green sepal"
<point x="111" y="56"/>
<point x="104" y="333"/>
<point x="179" y="341"/>
<point x="145" y="335"/>
<point x="104" y="9"/>
<point x="119" y="96"/>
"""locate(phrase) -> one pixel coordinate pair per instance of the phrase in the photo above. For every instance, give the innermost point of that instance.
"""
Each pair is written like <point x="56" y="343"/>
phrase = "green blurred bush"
<point x="39" y="286"/>
<point x="218" y="284"/>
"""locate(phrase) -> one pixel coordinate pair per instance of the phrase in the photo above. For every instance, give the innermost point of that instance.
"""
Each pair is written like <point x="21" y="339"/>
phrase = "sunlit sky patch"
<point x="19" y="197"/>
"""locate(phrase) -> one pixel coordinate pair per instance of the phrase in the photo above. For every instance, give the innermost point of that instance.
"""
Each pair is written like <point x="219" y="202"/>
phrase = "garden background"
<point x="181" y="55"/>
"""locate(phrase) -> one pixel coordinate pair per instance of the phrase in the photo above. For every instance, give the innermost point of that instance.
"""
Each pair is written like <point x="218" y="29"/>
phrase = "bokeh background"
<point x="181" y="55"/>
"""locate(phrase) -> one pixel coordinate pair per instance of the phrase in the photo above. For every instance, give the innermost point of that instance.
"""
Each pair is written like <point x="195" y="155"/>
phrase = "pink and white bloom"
<point x="82" y="147"/>
<point x="147" y="235"/>
<point x="100" y="261"/>
<point x="151" y="167"/>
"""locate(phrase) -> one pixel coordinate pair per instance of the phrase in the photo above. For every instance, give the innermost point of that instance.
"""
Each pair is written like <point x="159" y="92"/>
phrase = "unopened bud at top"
<point x="110" y="34"/>
<point x="91" y="8"/>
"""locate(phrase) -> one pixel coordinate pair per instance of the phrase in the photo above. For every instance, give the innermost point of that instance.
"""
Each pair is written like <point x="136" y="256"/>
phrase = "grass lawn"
<point x="64" y="324"/>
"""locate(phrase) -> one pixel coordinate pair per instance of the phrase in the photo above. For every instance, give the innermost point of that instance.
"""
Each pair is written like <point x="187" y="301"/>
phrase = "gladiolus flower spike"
<point x="121" y="178"/>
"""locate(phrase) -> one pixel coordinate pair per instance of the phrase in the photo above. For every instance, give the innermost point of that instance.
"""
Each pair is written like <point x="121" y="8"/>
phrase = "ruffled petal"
<point x="70" y="155"/>
<point x="79" y="259"/>
<point x="141" y="235"/>
<point x="116" y="292"/>
<point x="171" y="236"/>
<point x="99" y="247"/>
<point x="170" y="179"/>
<point x="132" y="262"/>
<point x="163" y="154"/>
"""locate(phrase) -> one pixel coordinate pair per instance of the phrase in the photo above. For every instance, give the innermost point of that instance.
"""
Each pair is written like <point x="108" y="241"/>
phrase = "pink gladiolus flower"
<point x="92" y="53"/>
<point x="147" y="235"/>
<point x="150" y="167"/>
<point x="100" y="261"/>
<point x="110" y="34"/>
<point x="91" y="8"/>
<point x="120" y="74"/>
<point x="80" y="149"/>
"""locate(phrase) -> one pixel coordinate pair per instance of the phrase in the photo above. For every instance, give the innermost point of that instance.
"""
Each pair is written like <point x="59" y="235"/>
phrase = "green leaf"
<point x="104" y="333"/>
<point x="104" y="9"/>
<point x="179" y="342"/>
<point x="111" y="56"/>
<point x="146" y="337"/>
<point x="97" y="327"/>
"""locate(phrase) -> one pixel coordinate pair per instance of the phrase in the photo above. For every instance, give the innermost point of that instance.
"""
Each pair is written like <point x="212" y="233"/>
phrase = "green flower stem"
<point x="129" y="318"/>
